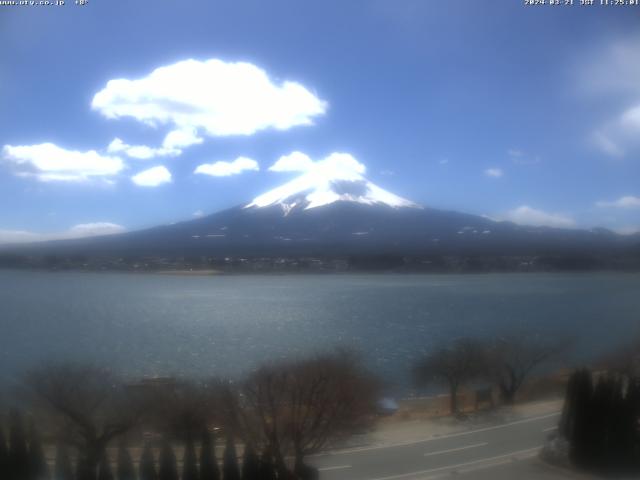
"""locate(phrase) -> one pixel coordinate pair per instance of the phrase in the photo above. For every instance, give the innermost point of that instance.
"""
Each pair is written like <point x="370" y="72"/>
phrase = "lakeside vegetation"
<point x="277" y="415"/>
<point x="82" y="422"/>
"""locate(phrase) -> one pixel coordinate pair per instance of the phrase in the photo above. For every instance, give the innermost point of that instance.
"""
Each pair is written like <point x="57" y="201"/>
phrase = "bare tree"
<point x="181" y="409"/>
<point x="511" y="359"/>
<point x="453" y="366"/>
<point x="88" y="406"/>
<point x="302" y="406"/>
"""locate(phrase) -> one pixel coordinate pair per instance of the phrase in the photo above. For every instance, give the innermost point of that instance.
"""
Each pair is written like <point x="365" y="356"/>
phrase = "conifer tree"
<point x="189" y="462"/>
<point x="208" y="463"/>
<point x="616" y="443"/>
<point x="168" y="464"/>
<point x="18" y="452"/>
<point x="148" y="464"/>
<point x="250" y="464"/>
<point x="62" y="469"/>
<point x="267" y="468"/>
<point x="632" y="426"/>
<point x="230" y="468"/>
<point x="599" y="423"/>
<point x="84" y="468"/>
<point x="105" y="471"/>
<point x="4" y="455"/>
<point x="305" y="472"/>
<point x="125" y="468"/>
<point x="567" y="420"/>
<point x="579" y="431"/>
<point x="38" y="468"/>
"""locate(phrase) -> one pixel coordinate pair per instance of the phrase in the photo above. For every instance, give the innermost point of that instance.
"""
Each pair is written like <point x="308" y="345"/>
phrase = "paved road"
<point x="501" y="451"/>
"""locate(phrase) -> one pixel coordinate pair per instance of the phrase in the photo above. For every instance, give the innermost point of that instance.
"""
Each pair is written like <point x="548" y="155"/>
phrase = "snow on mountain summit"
<point x="339" y="177"/>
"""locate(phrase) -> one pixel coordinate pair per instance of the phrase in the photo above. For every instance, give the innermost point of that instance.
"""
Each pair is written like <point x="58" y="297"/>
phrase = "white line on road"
<point x="337" y="467"/>
<point x="549" y="429"/>
<point x="464" y="464"/>
<point x="431" y="439"/>
<point x="476" y="445"/>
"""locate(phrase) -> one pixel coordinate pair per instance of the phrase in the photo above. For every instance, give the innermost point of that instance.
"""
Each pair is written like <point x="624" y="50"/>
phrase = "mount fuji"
<point x="338" y="178"/>
<point x="332" y="210"/>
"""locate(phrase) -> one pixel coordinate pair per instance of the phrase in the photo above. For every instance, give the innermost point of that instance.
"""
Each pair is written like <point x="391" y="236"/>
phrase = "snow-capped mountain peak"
<point x="337" y="178"/>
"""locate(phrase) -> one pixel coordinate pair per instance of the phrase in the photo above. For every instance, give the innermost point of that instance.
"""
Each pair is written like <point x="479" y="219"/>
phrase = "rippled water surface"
<point x="154" y="324"/>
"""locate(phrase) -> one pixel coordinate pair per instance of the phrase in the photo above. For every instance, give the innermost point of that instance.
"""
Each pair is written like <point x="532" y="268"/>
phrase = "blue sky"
<point x="490" y="107"/>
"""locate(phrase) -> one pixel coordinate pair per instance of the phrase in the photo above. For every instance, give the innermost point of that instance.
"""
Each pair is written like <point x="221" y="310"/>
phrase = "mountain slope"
<point x="341" y="228"/>
<point x="334" y="211"/>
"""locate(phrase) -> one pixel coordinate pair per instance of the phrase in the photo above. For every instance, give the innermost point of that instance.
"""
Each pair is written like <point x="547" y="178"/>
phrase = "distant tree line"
<point x="427" y="262"/>
<point x="277" y="416"/>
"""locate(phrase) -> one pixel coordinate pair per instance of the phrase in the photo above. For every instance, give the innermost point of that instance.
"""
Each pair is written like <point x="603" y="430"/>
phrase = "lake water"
<point x="225" y="325"/>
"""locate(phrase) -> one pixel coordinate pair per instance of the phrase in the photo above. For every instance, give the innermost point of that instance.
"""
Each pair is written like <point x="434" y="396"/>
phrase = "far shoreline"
<point x="316" y="273"/>
<point x="183" y="272"/>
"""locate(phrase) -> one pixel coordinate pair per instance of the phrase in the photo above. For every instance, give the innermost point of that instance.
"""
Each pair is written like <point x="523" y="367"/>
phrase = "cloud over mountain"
<point x="628" y="201"/>
<point x="336" y="165"/>
<point x="214" y="97"/>
<point x="525" y="215"/>
<point x="294" y="162"/>
<point x="81" y="230"/>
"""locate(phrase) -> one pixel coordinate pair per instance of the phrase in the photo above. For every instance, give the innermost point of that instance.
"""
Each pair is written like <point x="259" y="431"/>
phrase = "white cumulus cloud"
<point x="140" y="152"/>
<point x="494" y="172"/>
<point x="95" y="228"/>
<point x="226" y="169"/>
<point x="525" y="215"/>
<point x="48" y="162"/>
<point x="18" y="236"/>
<point x="294" y="162"/>
<point x="81" y="230"/>
<point x="213" y="96"/>
<point x="181" y="138"/>
<point x="152" y="177"/>
<point x="628" y="201"/>
<point x="337" y="165"/>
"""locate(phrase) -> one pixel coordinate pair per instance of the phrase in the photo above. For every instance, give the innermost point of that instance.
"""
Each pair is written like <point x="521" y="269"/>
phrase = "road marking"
<point x="432" y="439"/>
<point x="337" y="467"/>
<point x="476" y="445"/>
<point x="549" y="429"/>
<point x="486" y="466"/>
<point x="464" y="464"/>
